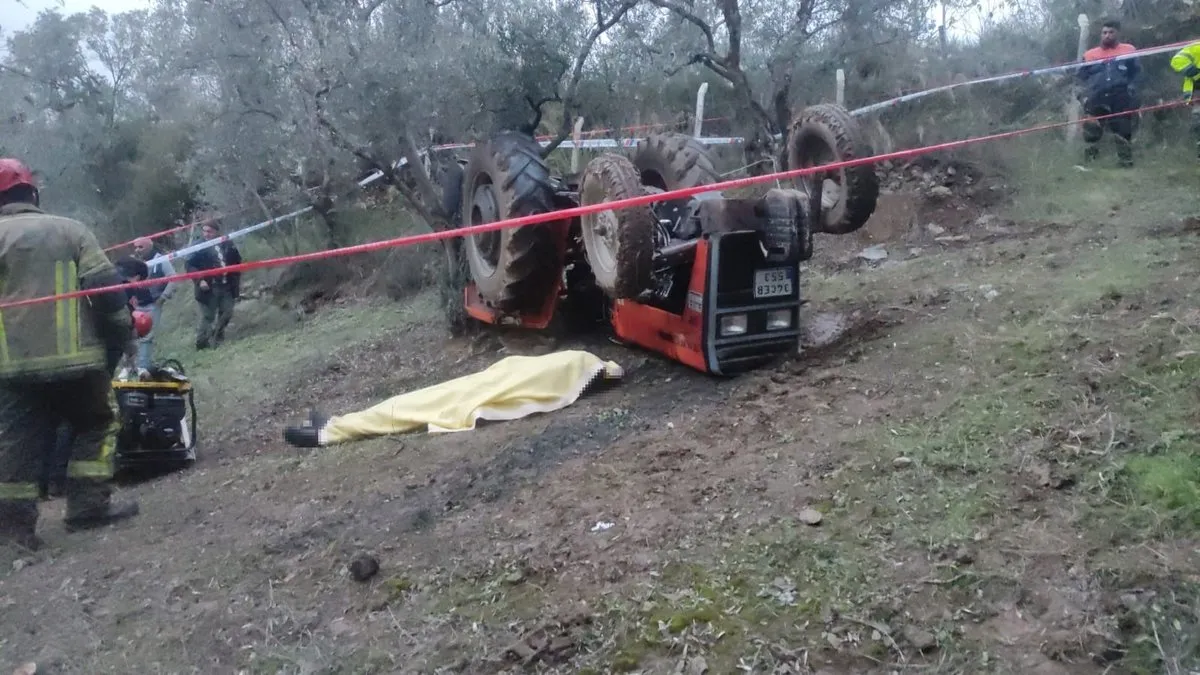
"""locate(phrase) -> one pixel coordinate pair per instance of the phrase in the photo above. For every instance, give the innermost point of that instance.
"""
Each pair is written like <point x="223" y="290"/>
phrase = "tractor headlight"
<point x="779" y="319"/>
<point x="733" y="324"/>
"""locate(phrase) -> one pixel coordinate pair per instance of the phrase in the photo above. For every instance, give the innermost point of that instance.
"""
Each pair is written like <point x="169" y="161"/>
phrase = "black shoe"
<point x="109" y="515"/>
<point x="26" y="540"/>
<point x="307" y="434"/>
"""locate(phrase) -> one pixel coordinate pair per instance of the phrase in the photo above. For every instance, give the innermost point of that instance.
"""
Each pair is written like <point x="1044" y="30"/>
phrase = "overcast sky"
<point x="18" y="14"/>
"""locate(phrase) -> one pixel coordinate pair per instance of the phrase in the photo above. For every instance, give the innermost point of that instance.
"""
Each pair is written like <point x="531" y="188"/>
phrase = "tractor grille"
<point x="741" y="267"/>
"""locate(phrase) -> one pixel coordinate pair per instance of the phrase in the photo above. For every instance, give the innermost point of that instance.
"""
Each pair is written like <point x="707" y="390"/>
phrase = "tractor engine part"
<point x="737" y="311"/>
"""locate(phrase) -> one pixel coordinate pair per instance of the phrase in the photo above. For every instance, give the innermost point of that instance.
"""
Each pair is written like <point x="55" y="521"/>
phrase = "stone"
<point x="363" y="567"/>
<point x="811" y="517"/>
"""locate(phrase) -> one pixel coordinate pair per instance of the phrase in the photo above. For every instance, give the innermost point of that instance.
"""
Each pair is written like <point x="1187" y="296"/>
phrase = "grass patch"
<point x="1052" y="186"/>
<point x="267" y="346"/>
<point x="782" y="586"/>
<point x="1168" y="484"/>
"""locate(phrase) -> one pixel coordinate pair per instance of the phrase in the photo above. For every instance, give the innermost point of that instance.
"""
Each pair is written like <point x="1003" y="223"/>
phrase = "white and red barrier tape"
<point x="412" y="240"/>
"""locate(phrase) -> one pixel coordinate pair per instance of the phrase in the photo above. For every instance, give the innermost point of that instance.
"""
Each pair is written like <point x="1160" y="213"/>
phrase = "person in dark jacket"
<point x="216" y="295"/>
<point x="1109" y="87"/>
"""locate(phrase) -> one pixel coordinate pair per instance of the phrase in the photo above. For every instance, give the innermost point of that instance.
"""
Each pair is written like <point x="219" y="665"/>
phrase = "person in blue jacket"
<point x="1110" y="87"/>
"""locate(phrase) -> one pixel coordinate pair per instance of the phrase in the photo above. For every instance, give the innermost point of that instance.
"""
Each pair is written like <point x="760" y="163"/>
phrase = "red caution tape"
<point x="164" y="233"/>
<point x="565" y="214"/>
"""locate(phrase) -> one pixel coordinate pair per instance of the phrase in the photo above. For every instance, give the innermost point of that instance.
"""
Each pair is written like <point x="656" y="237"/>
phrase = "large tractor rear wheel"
<point x="673" y="162"/>
<point x="506" y="178"/>
<point x="841" y="200"/>
<point x="619" y="244"/>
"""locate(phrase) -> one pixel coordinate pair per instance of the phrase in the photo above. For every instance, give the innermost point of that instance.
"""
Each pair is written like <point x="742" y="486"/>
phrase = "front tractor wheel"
<point x="506" y="178"/>
<point x="619" y="244"/>
<point x="840" y="200"/>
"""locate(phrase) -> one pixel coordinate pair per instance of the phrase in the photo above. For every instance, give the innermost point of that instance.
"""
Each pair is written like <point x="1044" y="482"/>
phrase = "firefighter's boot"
<point x="90" y="505"/>
<point x="18" y="524"/>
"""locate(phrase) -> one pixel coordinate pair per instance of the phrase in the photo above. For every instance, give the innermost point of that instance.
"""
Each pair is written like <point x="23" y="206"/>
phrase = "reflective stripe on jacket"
<point x="42" y="255"/>
<point x="1183" y="59"/>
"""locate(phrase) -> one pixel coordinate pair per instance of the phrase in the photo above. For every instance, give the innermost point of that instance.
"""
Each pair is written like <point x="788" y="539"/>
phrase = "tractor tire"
<point x="507" y="178"/>
<point x="619" y="244"/>
<point x="674" y="162"/>
<point x="789" y="206"/>
<point x="841" y="200"/>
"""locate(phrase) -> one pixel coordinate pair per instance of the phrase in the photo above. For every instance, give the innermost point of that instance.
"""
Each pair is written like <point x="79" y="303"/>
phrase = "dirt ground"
<point x="983" y="461"/>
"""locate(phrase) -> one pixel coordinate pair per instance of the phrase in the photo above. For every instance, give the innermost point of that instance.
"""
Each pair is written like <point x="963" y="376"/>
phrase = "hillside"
<point x="1000" y="441"/>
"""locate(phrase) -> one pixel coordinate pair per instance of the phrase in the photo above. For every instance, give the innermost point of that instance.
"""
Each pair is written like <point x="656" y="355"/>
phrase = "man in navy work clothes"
<point x="1110" y="88"/>
<point x="217" y="294"/>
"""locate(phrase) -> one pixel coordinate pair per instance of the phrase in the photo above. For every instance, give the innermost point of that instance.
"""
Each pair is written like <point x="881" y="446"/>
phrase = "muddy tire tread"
<point x="860" y="183"/>
<point x="681" y="160"/>
<point x="635" y="226"/>
<point x="526" y="264"/>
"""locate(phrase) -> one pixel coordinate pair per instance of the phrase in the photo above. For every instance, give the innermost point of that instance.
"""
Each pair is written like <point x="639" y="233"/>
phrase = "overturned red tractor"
<point x="710" y="281"/>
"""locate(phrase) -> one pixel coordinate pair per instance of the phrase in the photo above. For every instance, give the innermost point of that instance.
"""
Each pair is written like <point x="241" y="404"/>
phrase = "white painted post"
<point x="577" y="136"/>
<point x="1074" y="109"/>
<point x="841" y="87"/>
<point x="699" y="123"/>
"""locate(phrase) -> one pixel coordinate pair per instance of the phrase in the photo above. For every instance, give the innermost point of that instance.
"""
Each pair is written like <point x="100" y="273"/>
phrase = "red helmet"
<point x="142" y="323"/>
<point x="13" y="174"/>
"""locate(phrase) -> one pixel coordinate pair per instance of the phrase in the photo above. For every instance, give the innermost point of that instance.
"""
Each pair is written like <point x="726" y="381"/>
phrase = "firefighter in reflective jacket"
<point x="52" y="361"/>
<point x="1186" y="62"/>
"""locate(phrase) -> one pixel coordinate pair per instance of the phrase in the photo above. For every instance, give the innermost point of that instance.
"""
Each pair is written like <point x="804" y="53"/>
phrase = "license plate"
<point x="773" y="282"/>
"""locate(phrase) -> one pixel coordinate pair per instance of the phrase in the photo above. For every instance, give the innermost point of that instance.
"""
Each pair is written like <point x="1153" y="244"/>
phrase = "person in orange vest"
<point x="1109" y="87"/>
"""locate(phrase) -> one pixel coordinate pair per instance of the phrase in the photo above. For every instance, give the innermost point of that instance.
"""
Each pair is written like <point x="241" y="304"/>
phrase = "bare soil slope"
<point x="991" y="469"/>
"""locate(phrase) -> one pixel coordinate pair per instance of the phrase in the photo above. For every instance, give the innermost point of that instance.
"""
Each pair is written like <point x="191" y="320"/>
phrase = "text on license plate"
<point x="772" y="282"/>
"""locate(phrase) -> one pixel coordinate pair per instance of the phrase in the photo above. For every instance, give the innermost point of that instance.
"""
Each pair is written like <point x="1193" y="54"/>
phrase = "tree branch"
<point x="733" y="27"/>
<point x="685" y="14"/>
<point x="365" y="15"/>
<point x="430" y="205"/>
<point x="570" y="104"/>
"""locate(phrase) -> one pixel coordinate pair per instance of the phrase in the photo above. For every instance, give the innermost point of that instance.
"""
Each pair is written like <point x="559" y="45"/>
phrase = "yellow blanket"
<point x="509" y="389"/>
